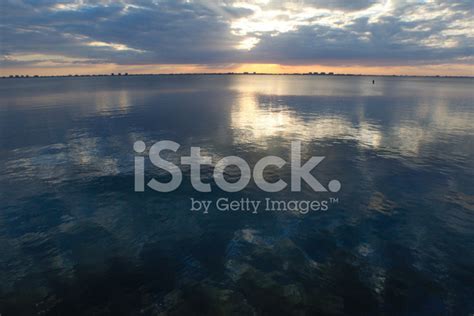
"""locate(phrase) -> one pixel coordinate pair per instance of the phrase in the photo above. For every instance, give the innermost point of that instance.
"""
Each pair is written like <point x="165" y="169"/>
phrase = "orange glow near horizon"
<point x="427" y="70"/>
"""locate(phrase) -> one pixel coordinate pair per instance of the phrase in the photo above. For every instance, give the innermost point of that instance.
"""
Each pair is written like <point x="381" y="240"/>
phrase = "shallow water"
<point x="76" y="238"/>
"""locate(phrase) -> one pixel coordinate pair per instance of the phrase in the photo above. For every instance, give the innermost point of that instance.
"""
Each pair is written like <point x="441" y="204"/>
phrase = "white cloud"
<point x="114" y="46"/>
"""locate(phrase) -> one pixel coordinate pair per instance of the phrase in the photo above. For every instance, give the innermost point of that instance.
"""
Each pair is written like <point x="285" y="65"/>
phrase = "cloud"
<point x="365" y="32"/>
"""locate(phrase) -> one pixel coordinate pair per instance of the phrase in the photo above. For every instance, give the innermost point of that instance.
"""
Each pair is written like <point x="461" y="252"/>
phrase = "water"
<point x="76" y="239"/>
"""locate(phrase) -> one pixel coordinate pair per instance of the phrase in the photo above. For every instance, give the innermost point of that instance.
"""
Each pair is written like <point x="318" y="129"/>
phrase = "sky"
<point x="417" y="37"/>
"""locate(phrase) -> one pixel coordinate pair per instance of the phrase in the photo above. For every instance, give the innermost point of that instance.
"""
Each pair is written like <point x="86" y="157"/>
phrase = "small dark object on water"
<point x="373" y="81"/>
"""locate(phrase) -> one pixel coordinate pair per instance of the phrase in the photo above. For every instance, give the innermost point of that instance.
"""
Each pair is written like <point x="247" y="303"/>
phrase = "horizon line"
<point x="126" y="74"/>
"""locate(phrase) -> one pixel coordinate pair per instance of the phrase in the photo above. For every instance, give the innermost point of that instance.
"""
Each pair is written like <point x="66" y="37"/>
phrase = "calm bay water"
<point x="76" y="238"/>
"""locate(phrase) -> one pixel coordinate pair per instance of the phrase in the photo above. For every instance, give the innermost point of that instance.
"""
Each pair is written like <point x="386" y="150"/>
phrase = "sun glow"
<point x="248" y="43"/>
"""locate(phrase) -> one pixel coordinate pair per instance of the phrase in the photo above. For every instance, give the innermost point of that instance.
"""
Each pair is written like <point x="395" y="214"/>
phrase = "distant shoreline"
<point x="314" y="74"/>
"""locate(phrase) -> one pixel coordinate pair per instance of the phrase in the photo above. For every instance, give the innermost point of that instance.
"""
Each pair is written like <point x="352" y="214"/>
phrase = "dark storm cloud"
<point x="366" y="32"/>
